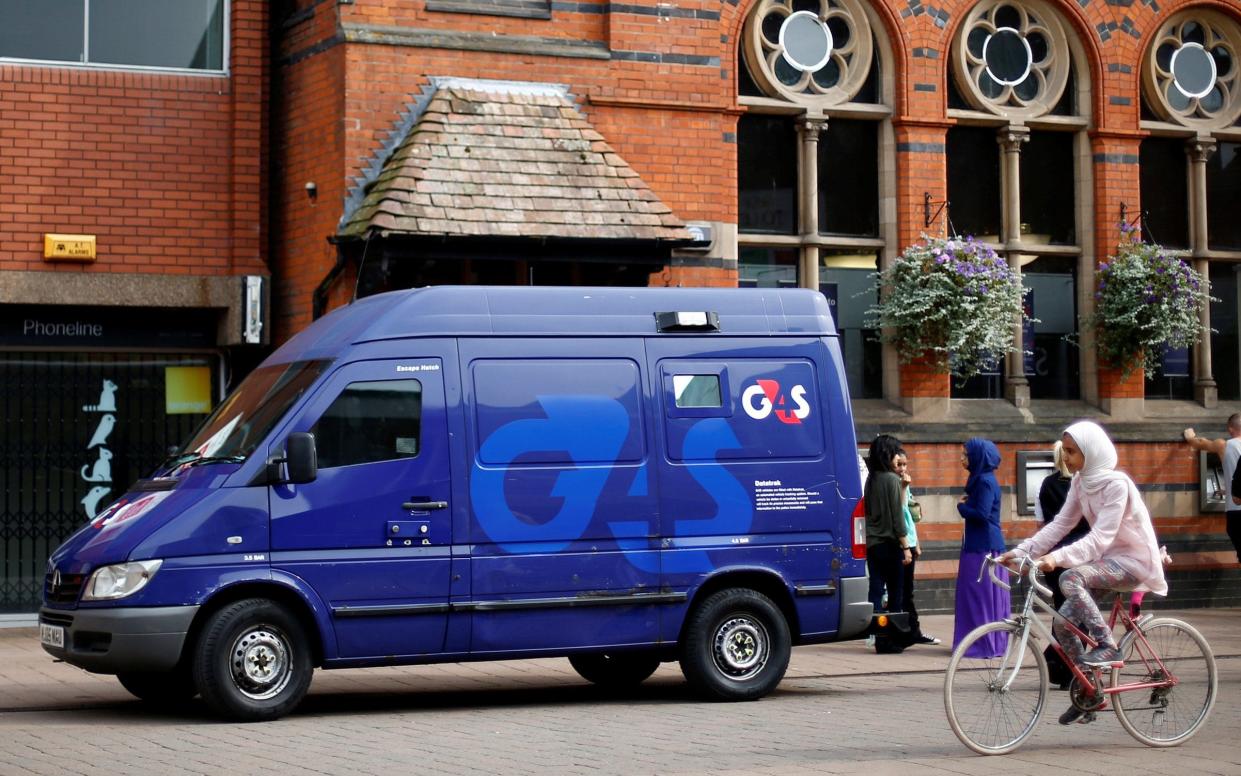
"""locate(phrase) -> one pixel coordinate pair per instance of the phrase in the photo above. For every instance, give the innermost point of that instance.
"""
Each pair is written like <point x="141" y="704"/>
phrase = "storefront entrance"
<point x="90" y="401"/>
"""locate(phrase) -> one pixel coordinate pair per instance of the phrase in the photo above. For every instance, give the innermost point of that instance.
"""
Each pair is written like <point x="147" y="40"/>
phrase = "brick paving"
<point x="841" y="709"/>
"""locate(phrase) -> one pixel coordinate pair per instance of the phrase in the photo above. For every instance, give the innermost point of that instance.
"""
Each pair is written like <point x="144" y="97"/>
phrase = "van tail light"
<point x="859" y="530"/>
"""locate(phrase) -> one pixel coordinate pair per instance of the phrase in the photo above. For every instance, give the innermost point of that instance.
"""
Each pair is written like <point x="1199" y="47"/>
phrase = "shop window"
<point x="1226" y="329"/>
<point x="849" y="178"/>
<point x="847" y="280"/>
<point x="1164" y="191"/>
<point x="767" y="174"/>
<point x="974" y="182"/>
<point x="370" y="421"/>
<point x="1053" y="366"/>
<point x="1047" y="189"/>
<point x="181" y="34"/>
<point x="76" y="430"/>
<point x="767" y="267"/>
<point x="1223" y="194"/>
<point x="1173" y="378"/>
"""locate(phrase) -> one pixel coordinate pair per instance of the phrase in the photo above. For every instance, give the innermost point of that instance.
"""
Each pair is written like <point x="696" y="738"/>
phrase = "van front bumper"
<point x="110" y="641"/>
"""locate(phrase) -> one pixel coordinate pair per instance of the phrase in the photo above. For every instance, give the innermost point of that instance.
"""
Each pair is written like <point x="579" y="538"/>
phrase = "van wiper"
<point x="194" y="459"/>
<point x="202" y="459"/>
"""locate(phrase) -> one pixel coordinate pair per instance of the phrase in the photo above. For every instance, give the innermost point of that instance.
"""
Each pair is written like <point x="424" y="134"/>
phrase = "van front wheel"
<point x="736" y="646"/>
<point x="252" y="661"/>
<point x="615" y="671"/>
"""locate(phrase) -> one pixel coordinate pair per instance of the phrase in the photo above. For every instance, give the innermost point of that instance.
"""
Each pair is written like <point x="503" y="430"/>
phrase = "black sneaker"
<point x="926" y="638"/>
<point x="1075" y="714"/>
<point x="1103" y="657"/>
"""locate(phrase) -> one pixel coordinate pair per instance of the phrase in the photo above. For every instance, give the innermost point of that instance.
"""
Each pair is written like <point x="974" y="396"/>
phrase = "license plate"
<point x="51" y="635"/>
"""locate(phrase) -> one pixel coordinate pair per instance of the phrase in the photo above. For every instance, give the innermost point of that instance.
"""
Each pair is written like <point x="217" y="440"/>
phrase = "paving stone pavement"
<point x="841" y="709"/>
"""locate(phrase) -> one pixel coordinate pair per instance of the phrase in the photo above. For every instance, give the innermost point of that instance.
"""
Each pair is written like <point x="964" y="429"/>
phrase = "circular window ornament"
<point x="1193" y="70"/>
<point x="1189" y="73"/>
<point x="805" y="41"/>
<point x="1007" y="56"/>
<point x="813" y="52"/>
<point x="1011" y="58"/>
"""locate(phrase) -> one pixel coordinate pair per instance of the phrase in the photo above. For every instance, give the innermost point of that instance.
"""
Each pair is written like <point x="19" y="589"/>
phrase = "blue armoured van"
<point x="617" y="476"/>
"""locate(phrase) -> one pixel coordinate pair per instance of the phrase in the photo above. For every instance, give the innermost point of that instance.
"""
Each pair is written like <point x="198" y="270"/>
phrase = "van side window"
<point x="696" y="390"/>
<point x="370" y="421"/>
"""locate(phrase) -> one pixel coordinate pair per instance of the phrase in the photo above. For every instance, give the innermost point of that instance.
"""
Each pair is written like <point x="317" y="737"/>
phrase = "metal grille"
<point x="52" y="468"/>
<point x="65" y="591"/>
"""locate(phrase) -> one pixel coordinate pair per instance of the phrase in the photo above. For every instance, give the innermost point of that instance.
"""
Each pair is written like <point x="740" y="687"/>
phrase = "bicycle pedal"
<point x="1087" y="718"/>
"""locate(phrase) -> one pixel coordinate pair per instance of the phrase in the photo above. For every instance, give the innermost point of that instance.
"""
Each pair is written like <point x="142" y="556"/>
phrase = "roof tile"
<point x="488" y="159"/>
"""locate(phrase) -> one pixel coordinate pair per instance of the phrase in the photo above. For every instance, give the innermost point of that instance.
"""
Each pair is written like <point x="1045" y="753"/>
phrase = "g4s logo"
<point x="770" y="397"/>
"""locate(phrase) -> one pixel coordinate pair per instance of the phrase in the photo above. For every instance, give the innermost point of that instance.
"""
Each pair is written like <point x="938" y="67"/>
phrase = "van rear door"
<point x="372" y="533"/>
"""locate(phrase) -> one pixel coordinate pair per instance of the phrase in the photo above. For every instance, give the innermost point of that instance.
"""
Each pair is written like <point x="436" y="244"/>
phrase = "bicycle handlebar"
<point x="1025" y="567"/>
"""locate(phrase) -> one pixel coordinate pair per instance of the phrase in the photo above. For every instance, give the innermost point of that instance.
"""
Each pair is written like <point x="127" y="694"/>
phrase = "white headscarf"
<point x="1099" y="467"/>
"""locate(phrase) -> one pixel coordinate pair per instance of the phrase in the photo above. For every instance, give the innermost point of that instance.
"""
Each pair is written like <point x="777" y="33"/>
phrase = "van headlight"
<point x="108" y="583"/>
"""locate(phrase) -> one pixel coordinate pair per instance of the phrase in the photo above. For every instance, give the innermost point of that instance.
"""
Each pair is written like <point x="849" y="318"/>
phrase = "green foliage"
<point x="1146" y="300"/>
<point x="953" y="300"/>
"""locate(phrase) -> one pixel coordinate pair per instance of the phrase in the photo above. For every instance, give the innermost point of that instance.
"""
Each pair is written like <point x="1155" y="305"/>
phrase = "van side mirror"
<point x="300" y="457"/>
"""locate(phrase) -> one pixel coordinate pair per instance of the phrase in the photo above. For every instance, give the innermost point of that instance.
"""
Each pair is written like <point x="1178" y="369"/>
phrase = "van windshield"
<point x="242" y="420"/>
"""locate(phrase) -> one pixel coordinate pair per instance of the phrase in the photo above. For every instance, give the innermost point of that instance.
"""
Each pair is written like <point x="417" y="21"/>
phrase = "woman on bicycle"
<point x="1119" y="553"/>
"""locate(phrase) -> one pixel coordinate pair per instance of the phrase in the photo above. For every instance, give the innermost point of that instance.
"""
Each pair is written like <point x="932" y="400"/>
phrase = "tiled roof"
<point x="489" y="158"/>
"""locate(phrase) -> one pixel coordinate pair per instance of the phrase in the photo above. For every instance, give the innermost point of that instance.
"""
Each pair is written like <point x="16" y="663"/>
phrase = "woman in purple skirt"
<point x="980" y="602"/>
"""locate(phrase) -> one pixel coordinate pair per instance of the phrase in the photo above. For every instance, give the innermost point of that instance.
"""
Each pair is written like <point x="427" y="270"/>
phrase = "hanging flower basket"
<point x="1146" y="301"/>
<point x="953" y="301"/>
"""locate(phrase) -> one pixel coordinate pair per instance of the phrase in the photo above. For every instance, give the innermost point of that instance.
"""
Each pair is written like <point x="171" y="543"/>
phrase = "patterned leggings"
<point x="1079" y="606"/>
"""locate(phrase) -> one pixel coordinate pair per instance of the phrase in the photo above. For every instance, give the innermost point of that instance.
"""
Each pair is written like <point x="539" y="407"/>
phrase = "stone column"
<point x="1011" y="138"/>
<point x="1199" y="150"/>
<point x="809" y="128"/>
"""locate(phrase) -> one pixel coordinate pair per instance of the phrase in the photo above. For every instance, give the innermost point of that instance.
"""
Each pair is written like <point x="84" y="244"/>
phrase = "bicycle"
<point x="1162" y="693"/>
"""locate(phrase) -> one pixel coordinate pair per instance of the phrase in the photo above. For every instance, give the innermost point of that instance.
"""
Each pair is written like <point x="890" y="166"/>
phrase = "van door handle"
<point x="424" y="506"/>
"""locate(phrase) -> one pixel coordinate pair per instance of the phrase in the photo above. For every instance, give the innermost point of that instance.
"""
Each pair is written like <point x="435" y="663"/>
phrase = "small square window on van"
<point x="696" y="390"/>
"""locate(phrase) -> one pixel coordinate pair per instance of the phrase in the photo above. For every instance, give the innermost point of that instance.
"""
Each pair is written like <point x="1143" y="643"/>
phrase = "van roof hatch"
<point x="687" y="321"/>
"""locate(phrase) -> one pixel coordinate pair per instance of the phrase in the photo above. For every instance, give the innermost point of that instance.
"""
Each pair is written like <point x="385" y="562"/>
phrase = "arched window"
<point x="1018" y="176"/>
<point x="814" y="151"/>
<point x="1191" y="183"/>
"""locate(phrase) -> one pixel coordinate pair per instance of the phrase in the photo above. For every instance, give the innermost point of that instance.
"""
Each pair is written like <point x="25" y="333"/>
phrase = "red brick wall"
<point x="309" y="148"/>
<point x="166" y="170"/>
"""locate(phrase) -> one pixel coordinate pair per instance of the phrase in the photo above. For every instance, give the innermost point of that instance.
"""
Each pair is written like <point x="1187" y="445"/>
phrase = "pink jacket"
<point x="1120" y="530"/>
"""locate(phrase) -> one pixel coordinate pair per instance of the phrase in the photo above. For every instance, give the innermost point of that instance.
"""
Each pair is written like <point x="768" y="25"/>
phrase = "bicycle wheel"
<point x="1173" y="713"/>
<point x="994" y="702"/>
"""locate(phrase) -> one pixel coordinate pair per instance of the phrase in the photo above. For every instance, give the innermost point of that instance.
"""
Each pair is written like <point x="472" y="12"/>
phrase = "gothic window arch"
<point x="1190" y="182"/>
<point x="1011" y="58"/>
<point x="816" y="53"/>
<point x="1019" y="179"/>
<point x="1191" y="74"/>
<point x="816" y="162"/>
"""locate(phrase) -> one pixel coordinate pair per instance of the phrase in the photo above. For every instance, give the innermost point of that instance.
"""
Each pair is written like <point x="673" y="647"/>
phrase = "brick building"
<point x="134" y="141"/>
<point x="803" y="142"/>
<point x="790" y="142"/>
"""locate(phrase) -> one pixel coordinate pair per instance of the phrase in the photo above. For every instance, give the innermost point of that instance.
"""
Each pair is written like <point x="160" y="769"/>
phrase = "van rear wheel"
<point x="615" y="670"/>
<point x="736" y="646"/>
<point x="252" y="661"/>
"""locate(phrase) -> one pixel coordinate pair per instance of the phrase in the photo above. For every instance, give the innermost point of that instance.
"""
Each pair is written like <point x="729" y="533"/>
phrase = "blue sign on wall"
<point x="1176" y="362"/>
